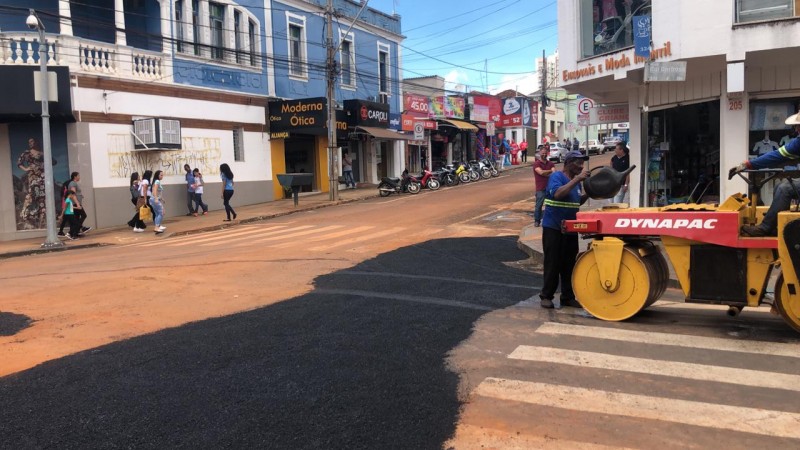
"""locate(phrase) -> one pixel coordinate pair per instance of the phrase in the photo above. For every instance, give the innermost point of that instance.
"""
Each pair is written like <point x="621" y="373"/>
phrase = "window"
<point x="251" y="38"/>
<point x="347" y="57"/>
<point x="216" y="15"/>
<point x="179" y="38"/>
<point x="237" y="37"/>
<point x="754" y="10"/>
<point x="196" y="26"/>
<point x="607" y="25"/>
<point x="383" y="68"/>
<point x="297" y="45"/>
<point x="238" y="144"/>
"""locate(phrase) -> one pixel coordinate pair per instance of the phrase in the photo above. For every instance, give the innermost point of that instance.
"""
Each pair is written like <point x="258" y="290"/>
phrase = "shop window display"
<point x="683" y="155"/>
<point x="607" y="25"/>
<point x="768" y="132"/>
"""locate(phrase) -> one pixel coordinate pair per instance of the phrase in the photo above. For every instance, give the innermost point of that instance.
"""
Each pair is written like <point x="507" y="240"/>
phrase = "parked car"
<point x="610" y="142"/>
<point x="557" y="152"/>
<point x="594" y="147"/>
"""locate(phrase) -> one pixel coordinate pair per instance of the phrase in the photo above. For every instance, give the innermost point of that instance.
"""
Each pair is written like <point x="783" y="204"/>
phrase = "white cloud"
<point x="456" y="80"/>
<point x="525" y="84"/>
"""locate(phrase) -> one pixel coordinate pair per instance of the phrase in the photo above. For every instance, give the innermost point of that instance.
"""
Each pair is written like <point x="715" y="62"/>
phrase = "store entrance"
<point x="300" y="157"/>
<point x="683" y="155"/>
<point x="382" y="158"/>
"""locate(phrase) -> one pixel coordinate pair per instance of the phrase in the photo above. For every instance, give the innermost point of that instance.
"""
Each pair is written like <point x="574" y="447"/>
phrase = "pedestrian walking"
<point x="620" y="162"/>
<point x="514" y="153"/>
<point x="63" y="218"/>
<point x="157" y="201"/>
<point x="506" y="153"/>
<point x="198" y="193"/>
<point x="562" y="201"/>
<point x="347" y="171"/>
<point x="138" y="201"/>
<point x="71" y="206"/>
<point x="577" y="145"/>
<point x="190" y="204"/>
<point x="227" y="190"/>
<point x="542" y="169"/>
<point x="523" y="147"/>
<point x="75" y="187"/>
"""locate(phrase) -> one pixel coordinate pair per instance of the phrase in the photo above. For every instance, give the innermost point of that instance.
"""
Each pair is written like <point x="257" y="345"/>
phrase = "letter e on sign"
<point x="584" y="105"/>
<point x="419" y="131"/>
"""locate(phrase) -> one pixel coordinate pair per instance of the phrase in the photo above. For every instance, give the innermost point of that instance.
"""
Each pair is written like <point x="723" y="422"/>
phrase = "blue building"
<point x="154" y="85"/>
<point x="369" y="76"/>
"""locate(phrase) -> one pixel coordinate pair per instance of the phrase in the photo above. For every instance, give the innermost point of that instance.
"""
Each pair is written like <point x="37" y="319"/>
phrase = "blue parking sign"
<point x="641" y="36"/>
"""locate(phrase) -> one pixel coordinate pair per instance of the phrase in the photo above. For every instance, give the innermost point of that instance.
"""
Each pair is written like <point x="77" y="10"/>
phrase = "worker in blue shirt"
<point x="563" y="198"/>
<point x="784" y="192"/>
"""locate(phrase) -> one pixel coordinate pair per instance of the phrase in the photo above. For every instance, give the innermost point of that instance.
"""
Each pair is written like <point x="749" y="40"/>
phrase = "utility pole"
<point x="330" y="64"/>
<point x="543" y="125"/>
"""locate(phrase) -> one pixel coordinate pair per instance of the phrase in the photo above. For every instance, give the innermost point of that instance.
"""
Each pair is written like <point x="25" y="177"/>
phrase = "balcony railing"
<point x="86" y="56"/>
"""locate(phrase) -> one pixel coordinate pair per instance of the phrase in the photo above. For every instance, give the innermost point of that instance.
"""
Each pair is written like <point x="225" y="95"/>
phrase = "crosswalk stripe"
<point x="699" y="306"/>
<point x="182" y="238"/>
<point x="709" y="415"/>
<point x="791" y="350"/>
<point x="298" y="233"/>
<point x="689" y="371"/>
<point x="483" y="438"/>
<point x="362" y="238"/>
<point x="325" y="236"/>
<point x="200" y="239"/>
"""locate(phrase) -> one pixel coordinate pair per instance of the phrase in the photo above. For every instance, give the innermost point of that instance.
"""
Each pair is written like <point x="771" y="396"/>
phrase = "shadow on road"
<point x="357" y="363"/>
<point x="11" y="324"/>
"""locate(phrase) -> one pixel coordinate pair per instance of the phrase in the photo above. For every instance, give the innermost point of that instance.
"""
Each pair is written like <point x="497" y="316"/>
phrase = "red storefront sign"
<point x="418" y="104"/>
<point x="408" y="121"/>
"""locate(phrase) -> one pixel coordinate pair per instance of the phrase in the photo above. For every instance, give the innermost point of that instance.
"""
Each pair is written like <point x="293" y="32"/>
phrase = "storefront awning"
<point x="383" y="133"/>
<point x="460" y="124"/>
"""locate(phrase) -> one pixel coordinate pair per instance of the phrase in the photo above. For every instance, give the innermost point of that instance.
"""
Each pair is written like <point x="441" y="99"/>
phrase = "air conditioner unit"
<point x="384" y="98"/>
<point x="156" y="134"/>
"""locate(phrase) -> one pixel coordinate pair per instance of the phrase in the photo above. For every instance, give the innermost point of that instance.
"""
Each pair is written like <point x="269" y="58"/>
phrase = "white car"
<point x="557" y="152"/>
<point x="594" y="147"/>
<point x="610" y="143"/>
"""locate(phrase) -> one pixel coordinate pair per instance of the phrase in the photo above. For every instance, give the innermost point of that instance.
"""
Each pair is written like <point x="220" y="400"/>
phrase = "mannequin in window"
<point x="764" y="146"/>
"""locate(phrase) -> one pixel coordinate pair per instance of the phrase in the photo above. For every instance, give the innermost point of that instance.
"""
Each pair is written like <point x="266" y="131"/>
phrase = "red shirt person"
<point x="542" y="169"/>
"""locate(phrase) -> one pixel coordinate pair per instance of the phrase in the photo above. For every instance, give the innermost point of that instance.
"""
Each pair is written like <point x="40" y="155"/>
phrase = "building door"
<point x="382" y="158"/>
<point x="301" y="157"/>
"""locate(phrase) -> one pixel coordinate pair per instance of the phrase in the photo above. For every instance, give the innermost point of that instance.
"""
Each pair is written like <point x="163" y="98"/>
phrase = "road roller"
<point x="625" y="269"/>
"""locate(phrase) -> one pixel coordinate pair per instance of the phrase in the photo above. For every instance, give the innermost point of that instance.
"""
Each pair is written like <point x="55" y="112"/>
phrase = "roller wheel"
<point x="788" y="307"/>
<point x="643" y="277"/>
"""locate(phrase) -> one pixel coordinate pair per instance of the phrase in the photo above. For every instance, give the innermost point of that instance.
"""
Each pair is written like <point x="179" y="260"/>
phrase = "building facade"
<point x="742" y="80"/>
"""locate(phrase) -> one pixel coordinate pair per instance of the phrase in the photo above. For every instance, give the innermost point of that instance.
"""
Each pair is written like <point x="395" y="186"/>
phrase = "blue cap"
<point x="575" y="154"/>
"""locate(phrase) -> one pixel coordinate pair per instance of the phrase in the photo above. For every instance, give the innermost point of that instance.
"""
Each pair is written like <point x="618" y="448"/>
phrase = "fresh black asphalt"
<point x="336" y="368"/>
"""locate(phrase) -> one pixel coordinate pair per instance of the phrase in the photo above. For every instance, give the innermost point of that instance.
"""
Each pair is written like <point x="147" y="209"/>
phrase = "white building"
<point x="742" y="80"/>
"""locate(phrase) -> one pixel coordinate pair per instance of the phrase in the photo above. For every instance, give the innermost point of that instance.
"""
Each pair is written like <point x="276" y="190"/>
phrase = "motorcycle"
<point x="483" y="171"/>
<point x="447" y="175"/>
<point x="430" y="180"/>
<point x="407" y="183"/>
<point x="462" y="173"/>
<point x="490" y="165"/>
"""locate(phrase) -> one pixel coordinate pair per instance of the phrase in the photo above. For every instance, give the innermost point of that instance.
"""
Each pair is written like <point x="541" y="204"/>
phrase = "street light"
<point x="34" y="23"/>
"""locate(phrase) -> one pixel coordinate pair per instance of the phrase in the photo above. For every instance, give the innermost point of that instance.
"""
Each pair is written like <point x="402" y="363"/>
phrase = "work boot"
<point x="756" y="231"/>
<point x="570" y="302"/>
<point x="546" y="303"/>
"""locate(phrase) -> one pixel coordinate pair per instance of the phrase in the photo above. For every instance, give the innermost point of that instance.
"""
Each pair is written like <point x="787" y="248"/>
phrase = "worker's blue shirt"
<point x="778" y="158"/>
<point x="562" y="209"/>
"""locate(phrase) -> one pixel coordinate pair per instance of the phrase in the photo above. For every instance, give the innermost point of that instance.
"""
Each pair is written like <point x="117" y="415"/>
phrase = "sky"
<point x="485" y="45"/>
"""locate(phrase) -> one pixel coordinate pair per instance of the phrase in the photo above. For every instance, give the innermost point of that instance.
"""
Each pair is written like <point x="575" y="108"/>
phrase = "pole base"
<point x="47" y="245"/>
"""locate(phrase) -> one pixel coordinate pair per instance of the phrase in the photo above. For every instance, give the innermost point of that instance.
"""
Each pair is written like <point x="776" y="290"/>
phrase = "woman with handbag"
<point x="138" y="201"/>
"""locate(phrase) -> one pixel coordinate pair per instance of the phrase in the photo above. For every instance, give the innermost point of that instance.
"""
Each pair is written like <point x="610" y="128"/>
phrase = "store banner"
<point x="518" y="112"/>
<point x="436" y="107"/>
<point x="641" y="36"/>
<point x="409" y="120"/>
<point x="418" y="105"/>
<point x="608" y="114"/>
<point x="485" y="108"/>
<point x="453" y="107"/>
<point x="295" y="115"/>
<point x="395" y="122"/>
<point x="368" y="114"/>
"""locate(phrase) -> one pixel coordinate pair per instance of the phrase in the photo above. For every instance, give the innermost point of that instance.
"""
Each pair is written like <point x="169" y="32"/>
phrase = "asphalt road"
<point x="359" y="362"/>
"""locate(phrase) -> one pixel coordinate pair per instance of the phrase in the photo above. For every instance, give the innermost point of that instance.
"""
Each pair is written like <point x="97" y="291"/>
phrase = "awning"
<point x="460" y="124"/>
<point x="383" y="133"/>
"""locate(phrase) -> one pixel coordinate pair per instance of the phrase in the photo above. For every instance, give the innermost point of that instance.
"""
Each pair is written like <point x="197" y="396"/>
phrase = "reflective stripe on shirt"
<point x="559" y="204"/>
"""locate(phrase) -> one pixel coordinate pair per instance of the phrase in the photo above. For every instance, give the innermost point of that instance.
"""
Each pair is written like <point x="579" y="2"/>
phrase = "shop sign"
<point x="294" y="115"/>
<point x="608" y="114"/>
<point x="409" y="121"/>
<point x="641" y="36"/>
<point x="441" y="107"/>
<point x="485" y="108"/>
<point x="665" y="71"/>
<point x="517" y="112"/>
<point x="395" y="122"/>
<point x="368" y="114"/>
<point x="613" y="63"/>
<point x="418" y="104"/>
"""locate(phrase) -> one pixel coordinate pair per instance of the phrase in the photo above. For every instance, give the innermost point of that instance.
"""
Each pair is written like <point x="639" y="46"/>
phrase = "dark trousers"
<point x="80" y="216"/>
<point x="74" y="224"/>
<point x="525" y="155"/>
<point x="560" y="253"/>
<point x="226" y="198"/>
<point x="198" y="203"/>
<point x="190" y="199"/>
<point x="537" y="210"/>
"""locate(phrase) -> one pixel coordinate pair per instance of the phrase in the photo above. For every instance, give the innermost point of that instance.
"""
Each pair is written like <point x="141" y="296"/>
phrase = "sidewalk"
<point x="180" y="225"/>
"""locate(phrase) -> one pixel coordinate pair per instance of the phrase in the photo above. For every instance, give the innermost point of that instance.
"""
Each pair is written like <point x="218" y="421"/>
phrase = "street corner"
<point x="530" y="242"/>
<point x="12" y="323"/>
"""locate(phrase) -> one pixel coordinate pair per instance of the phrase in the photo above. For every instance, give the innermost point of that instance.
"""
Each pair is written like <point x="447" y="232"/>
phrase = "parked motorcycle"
<point x="487" y="162"/>
<point x="462" y="172"/>
<point x="447" y="175"/>
<point x="407" y="183"/>
<point x="430" y="180"/>
<point x="483" y="171"/>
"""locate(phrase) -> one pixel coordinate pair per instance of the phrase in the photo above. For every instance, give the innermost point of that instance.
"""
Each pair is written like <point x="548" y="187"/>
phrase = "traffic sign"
<point x="490" y="128"/>
<point x="419" y="131"/>
<point x="584" y="105"/>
